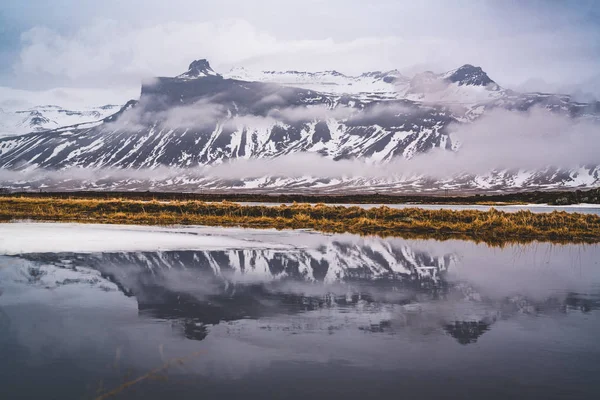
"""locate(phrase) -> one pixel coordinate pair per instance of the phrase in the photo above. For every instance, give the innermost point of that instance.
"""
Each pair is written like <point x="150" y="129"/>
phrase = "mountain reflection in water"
<point x="341" y="299"/>
<point x="196" y="289"/>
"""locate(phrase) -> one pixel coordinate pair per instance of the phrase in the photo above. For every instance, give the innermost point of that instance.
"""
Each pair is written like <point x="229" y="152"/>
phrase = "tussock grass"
<point x="493" y="227"/>
<point x="522" y="197"/>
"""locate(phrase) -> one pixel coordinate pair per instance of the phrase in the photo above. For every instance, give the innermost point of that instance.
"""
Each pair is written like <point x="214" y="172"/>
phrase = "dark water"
<point x="343" y="317"/>
<point x="542" y="208"/>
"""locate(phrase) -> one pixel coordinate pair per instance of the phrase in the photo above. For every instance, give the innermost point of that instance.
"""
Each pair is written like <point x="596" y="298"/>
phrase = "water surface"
<point x="295" y="315"/>
<point x="535" y="208"/>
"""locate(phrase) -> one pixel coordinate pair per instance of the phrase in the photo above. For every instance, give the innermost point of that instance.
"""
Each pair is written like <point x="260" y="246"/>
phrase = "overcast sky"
<point x="114" y="44"/>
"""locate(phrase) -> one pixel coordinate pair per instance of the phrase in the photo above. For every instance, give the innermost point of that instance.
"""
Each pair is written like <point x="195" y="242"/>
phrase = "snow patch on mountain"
<point x="376" y="84"/>
<point x="465" y="85"/>
<point x="49" y="117"/>
<point x="201" y="118"/>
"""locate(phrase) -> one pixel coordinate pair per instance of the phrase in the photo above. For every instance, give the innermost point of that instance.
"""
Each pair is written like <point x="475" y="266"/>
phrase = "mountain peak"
<point x="470" y="75"/>
<point x="198" y="69"/>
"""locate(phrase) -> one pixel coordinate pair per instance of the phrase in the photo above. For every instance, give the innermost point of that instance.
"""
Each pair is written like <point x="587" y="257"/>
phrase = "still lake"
<point x="99" y="312"/>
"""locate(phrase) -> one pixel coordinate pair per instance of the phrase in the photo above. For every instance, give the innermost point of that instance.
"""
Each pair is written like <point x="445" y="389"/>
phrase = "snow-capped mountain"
<point x="377" y="84"/>
<point x="466" y="85"/>
<point x="203" y="118"/>
<point x="49" y="117"/>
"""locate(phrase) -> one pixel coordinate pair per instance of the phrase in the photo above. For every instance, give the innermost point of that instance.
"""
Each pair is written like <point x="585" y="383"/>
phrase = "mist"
<point x="208" y="113"/>
<point x="501" y="140"/>
<point x="119" y="44"/>
<point x="536" y="139"/>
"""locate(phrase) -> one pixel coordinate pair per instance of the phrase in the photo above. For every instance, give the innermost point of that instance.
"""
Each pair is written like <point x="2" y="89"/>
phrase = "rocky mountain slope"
<point x="203" y="118"/>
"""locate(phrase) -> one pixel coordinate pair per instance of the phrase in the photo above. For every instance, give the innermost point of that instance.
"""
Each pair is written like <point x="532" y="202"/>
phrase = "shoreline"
<point x="492" y="227"/>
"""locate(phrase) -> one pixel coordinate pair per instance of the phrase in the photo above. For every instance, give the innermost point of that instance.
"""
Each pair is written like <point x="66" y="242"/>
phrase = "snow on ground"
<point x="26" y="237"/>
<point x="562" y="208"/>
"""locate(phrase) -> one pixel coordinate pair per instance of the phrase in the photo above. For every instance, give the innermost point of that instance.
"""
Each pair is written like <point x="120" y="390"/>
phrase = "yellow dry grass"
<point x="492" y="226"/>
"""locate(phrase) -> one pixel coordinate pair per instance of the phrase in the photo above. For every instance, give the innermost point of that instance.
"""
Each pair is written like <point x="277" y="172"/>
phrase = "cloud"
<point x="502" y="140"/>
<point x="112" y="51"/>
<point x="71" y="98"/>
<point x="310" y="113"/>
<point x="348" y="37"/>
<point x="586" y="92"/>
<point x="499" y="140"/>
<point x="206" y="113"/>
<point x="531" y="140"/>
<point x="150" y="112"/>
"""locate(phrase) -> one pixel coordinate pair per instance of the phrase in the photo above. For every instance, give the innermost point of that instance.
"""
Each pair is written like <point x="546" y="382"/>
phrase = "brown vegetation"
<point x="492" y="226"/>
<point x="536" y="197"/>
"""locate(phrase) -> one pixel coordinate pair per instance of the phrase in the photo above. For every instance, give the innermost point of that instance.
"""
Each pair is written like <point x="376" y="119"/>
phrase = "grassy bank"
<point x="493" y="226"/>
<point x="532" y="197"/>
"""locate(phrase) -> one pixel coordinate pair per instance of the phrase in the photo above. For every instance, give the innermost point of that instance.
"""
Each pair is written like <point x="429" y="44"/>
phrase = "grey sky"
<point x="99" y="44"/>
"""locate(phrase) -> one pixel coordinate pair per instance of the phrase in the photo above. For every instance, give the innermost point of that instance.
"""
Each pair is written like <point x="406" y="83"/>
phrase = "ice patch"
<point x="20" y="238"/>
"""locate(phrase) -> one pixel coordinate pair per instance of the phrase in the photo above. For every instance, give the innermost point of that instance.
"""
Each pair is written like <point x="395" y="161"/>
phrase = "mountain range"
<point x="49" y="117"/>
<point x="202" y="118"/>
